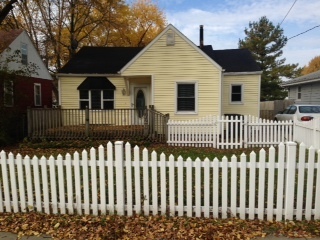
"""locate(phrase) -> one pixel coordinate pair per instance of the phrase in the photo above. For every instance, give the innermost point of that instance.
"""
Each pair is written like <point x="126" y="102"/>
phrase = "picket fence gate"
<point x="229" y="132"/>
<point x="274" y="187"/>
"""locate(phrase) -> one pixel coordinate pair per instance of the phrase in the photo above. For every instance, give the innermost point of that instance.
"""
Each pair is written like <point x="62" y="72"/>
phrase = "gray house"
<point x="304" y="89"/>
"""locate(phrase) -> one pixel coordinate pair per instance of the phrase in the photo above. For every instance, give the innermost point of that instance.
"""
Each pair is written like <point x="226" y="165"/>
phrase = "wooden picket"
<point x="275" y="186"/>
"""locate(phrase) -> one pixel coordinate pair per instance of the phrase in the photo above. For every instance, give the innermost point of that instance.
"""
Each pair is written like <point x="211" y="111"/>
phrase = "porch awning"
<point x="96" y="83"/>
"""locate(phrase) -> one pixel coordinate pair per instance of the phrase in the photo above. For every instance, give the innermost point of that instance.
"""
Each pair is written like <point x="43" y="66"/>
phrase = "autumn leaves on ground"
<point x="142" y="227"/>
<point x="150" y="227"/>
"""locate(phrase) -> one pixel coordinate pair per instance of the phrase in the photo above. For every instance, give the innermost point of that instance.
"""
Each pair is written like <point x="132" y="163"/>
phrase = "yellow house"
<point x="171" y="73"/>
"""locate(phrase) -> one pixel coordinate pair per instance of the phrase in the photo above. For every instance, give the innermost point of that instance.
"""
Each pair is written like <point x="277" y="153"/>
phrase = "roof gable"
<point x="6" y="38"/>
<point x="176" y="31"/>
<point x="11" y="42"/>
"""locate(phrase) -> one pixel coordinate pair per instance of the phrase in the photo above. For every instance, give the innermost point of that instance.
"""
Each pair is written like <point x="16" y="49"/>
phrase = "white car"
<point x="304" y="112"/>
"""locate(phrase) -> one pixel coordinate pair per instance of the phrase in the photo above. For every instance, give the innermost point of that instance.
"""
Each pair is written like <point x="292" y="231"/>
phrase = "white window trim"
<point x="299" y="91"/>
<point x="35" y="97"/>
<point x="242" y="91"/>
<point x="102" y="100"/>
<point x="22" y="46"/>
<point x="196" y="98"/>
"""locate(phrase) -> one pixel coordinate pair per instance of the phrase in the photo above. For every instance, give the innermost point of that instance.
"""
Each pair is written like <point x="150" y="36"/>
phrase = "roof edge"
<point x="87" y="75"/>
<point x="299" y="83"/>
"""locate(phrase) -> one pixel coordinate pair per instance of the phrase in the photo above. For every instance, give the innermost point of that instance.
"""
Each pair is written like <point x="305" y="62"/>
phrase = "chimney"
<point x="201" y="36"/>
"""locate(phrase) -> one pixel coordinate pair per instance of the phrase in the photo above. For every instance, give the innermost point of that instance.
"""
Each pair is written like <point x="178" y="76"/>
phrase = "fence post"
<point x="294" y="128"/>
<point x="30" y="121"/>
<point x="87" y="121"/>
<point x="166" y="128"/>
<point x="119" y="176"/>
<point x="290" y="179"/>
<point x="245" y="131"/>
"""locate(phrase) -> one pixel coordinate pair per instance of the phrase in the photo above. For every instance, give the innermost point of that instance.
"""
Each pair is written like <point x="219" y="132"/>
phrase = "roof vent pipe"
<point x="201" y="36"/>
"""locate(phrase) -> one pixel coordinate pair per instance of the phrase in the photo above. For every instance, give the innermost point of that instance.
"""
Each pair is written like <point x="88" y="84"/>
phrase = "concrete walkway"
<point x="12" y="236"/>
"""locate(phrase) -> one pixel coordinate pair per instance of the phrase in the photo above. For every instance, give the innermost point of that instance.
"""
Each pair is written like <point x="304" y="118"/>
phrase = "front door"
<point x="140" y="101"/>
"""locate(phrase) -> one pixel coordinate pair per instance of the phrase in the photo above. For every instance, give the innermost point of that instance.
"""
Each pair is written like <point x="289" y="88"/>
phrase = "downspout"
<point x="221" y="92"/>
<point x="152" y="90"/>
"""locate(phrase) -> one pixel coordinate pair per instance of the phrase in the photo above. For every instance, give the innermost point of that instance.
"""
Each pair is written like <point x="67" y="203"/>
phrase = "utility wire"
<point x="288" y="12"/>
<point x="303" y="32"/>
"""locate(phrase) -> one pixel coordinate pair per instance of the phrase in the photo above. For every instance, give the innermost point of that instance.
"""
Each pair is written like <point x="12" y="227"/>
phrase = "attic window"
<point x="24" y="53"/>
<point x="170" y="39"/>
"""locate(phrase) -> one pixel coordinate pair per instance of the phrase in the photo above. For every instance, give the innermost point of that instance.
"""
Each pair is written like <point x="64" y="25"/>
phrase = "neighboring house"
<point x="31" y="91"/>
<point x="304" y="89"/>
<point x="171" y="73"/>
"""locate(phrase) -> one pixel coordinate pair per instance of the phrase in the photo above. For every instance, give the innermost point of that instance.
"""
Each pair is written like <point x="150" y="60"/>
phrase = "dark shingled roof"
<point x="100" y="60"/>
<point x="233" y="60"/>
<point x="110" y="60"/>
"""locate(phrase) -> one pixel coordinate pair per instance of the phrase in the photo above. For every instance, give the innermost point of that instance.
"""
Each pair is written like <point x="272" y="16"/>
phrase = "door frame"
<point x="135" y="117"/>
<point x="133" y="95"/>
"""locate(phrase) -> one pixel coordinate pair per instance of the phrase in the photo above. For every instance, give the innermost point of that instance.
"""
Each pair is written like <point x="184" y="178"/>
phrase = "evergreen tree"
<point x="266" y="42"/>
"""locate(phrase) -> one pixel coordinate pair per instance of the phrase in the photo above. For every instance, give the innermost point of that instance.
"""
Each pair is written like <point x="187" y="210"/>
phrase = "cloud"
<point x="224" y="23"/>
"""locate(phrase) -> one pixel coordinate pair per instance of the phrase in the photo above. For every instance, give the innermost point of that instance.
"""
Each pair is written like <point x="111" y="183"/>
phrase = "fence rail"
<point x="274" y="187"/>
<point x="59" y="124"/>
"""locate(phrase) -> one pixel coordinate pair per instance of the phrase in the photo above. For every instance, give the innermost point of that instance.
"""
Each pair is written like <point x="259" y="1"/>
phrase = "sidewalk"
<point x="12" y="236"/>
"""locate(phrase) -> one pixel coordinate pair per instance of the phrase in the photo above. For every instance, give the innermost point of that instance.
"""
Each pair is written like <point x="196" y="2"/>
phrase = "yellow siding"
<point x="70" y="95"/>
<point x="251" y="95"/>
<point x="171" y="64"/>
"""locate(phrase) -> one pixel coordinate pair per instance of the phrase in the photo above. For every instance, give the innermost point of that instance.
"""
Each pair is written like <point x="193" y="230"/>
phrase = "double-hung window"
<point x="8" y="93"/>
<point x="236" y="93"/>
<point x="37" y="94"/>
<point x="186" y="97"/>
<point x="299" y="93"/>
<point x="24" y="53"/>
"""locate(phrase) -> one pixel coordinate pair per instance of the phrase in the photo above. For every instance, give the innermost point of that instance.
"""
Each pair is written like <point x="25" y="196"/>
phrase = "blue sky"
<point x="225" y="20"/>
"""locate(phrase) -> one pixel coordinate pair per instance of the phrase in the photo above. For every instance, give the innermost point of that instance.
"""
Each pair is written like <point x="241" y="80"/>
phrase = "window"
<point x="8" y="93"/>
<point x="37" y="94"/>
<point x="236" y="93"/>
<point x="292" y="110"/>
<point x="186" y="97"/>
<point x="97" y="99"/>
<point x="299" y="93"/>
<point x="96" y="93"/>
<point x="24" y="53"/>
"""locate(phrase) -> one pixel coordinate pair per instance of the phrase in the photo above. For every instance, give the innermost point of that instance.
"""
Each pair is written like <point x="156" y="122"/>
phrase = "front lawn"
<point x="48" y="148"/>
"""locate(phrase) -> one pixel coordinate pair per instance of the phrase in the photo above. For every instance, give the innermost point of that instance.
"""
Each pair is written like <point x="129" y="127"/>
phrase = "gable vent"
<point x="170" y="39"/>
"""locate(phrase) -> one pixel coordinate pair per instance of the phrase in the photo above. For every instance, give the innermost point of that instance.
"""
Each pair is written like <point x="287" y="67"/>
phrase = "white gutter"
<point x="242" y="73"/>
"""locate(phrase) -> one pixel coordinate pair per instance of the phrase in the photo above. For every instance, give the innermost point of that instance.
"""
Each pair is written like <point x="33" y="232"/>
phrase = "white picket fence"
<point x="274" y="187"/>
<point x="224" y="132"/>
<point x="308" y="132"/>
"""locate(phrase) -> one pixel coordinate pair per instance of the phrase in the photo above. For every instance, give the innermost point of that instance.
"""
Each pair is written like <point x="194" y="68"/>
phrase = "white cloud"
<point x="224" y="24"/>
